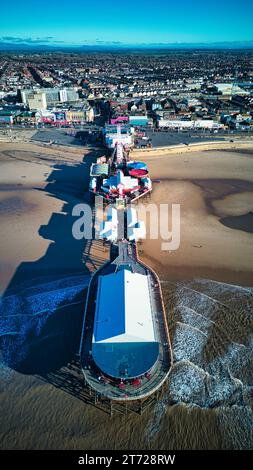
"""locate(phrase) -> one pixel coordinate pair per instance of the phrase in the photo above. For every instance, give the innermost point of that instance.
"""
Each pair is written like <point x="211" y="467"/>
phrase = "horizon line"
<point x="30" y="42"/>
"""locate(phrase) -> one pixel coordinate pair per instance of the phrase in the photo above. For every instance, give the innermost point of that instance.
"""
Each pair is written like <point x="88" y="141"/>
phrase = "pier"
<point x="125" y="350"/>
<point x="126" y="389"/>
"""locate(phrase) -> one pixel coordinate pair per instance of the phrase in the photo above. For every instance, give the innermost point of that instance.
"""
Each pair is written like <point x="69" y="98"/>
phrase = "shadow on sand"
<point x="43" y="305"/>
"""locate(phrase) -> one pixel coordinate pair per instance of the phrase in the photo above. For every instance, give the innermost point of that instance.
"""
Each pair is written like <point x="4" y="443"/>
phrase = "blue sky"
<point x="128" y="22"/>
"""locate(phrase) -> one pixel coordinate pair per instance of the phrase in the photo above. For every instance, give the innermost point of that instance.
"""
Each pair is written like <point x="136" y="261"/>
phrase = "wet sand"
<point x="208" y="186"/>
<point x="44" y="275"/>
<point x="36" y="182"/>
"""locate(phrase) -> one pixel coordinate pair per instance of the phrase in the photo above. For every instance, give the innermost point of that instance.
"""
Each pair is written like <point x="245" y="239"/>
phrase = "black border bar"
<point x="116" y="459"/>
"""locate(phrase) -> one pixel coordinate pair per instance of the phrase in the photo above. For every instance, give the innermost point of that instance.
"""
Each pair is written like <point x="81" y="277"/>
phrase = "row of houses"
<point x="134" y="113"/>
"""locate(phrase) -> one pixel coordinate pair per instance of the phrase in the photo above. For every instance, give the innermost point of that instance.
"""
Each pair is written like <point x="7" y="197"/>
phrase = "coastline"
<point x="44" y="292"/>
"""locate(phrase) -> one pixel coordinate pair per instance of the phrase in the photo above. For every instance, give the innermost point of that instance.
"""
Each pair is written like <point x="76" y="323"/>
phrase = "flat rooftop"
<point x="124" y="341"/>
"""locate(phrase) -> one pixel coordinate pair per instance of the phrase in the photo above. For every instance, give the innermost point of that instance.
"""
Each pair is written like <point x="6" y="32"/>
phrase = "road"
<point x="85" y="136"/>
<point x="90" y="135"/>
<point x="165" y="138"/>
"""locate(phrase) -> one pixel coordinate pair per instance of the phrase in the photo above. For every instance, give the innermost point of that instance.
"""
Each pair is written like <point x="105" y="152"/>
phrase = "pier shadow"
<point x="70" y="380"/>
<point x="43" y="305"/>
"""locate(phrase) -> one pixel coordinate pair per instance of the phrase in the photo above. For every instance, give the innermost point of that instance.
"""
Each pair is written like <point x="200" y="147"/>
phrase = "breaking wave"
<point x="211" y="327"/>
<point x="41" y="323"/>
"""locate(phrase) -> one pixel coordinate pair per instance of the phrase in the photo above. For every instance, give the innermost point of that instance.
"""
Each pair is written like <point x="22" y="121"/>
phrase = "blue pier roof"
<point x="124" y="340"/>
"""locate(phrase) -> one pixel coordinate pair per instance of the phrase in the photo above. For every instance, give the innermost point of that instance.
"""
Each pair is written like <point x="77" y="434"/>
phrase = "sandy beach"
<point x="44" y="276"/>
<point x="212" y="188"/>
<point x="39" y="187"/>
